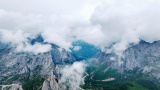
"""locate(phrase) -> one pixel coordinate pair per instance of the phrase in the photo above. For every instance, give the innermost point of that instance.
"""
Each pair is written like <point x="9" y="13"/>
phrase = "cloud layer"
<point x="21" y="43"/>
<point x="100" y="23"/>
<point x="122" y="22"/>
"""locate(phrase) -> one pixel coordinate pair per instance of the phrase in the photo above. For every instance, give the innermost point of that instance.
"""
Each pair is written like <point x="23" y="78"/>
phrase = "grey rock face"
<point x="144" y="56"/>
<point x="19" y="63"/>
<point x="11" y="87"/>
<point x="61" y="57"/>
<point x="52" y="84"/>
<point x="16" y="67"/>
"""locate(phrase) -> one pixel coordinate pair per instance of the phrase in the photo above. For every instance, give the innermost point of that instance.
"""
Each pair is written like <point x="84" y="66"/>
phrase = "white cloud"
<point x="125" y="21"/>
<point x="36" y="48"/>
<point x="14" y="21"/>
<point x="15" y="37"/>
<point x="62" y="22"/>
<point x="53" y="18"/>
<point x="70" y="7"/>
<point x="72" y="75"/>
<point x="20" y="41"/>
<point x="60" y="36"/>
<point x="76" y="48"/>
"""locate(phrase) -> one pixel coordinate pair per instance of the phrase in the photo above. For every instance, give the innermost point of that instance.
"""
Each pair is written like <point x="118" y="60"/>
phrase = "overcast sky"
<point x="61" y="7"/>
<point x="98" y="22"/>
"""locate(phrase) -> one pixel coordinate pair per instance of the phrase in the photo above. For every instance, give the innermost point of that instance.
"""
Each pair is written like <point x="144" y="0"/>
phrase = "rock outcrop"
<point x="11" y="87"/>
<point x="52" y="84"/>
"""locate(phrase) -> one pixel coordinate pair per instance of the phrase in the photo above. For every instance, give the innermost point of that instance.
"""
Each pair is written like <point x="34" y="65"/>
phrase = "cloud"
<point x="70" y="7"/>
<point x="123" y="22"/>
<point x="14" y="21"/>
<point x="112" y="21"/>
<point x="15" y="37"/>
<point x="76" y="48"/>
<point x="60" y="36"/>
<point x="17" y="27"/>
<point x="103" y="23"/>
<point x="54" y="19"/>
<point x="72" y="75"/>
<point x="36" y="48"/>
<point x="20" y="41"/>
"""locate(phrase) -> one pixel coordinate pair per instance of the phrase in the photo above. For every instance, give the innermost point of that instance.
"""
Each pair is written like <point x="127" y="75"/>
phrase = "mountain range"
<point x="136" y="69"/>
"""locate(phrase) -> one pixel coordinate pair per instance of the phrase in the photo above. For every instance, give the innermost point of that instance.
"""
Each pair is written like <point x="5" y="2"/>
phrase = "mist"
<point x="72" y="75"/>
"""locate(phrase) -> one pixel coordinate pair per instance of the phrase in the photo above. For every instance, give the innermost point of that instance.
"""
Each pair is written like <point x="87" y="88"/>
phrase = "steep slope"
<point x="143" y="56"/>
<point x="137" y="67"/>
<point x="28" y="70"/>
<point x="25" y="68"/>
<point x="51" y="84"/>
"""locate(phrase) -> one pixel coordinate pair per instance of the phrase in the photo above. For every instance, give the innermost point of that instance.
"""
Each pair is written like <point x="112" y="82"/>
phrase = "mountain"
<point x="137" y="69"/>
<point x="29" y="71"/>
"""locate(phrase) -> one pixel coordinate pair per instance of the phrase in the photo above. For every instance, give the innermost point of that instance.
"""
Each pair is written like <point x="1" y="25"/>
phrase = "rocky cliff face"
<point x="136" y="69"/>
<point x="61" y="57"/>
<point x="144" y="56"/>
<point x="23" y="68"/>
<point x="52" y="84"/>
<point x="27" y="68"/>
<point x="19" y="63"/>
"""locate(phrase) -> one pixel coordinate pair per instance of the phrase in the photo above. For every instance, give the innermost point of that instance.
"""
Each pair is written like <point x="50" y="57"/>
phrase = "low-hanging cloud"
<point x="72" y="75"/>
<point x="20" y="42"/>
<point x="36" y="48"/>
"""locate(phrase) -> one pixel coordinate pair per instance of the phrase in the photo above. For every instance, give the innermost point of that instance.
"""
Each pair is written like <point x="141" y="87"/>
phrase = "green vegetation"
<point x="33" y="84"/>
<point x="102" y="72"/>
<point x="101" y="75"/>
<point x="31" y="80"/>
<point x="135" y="83"/>
<point x="129" y="80"/>
<point x="10" y="79"/>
